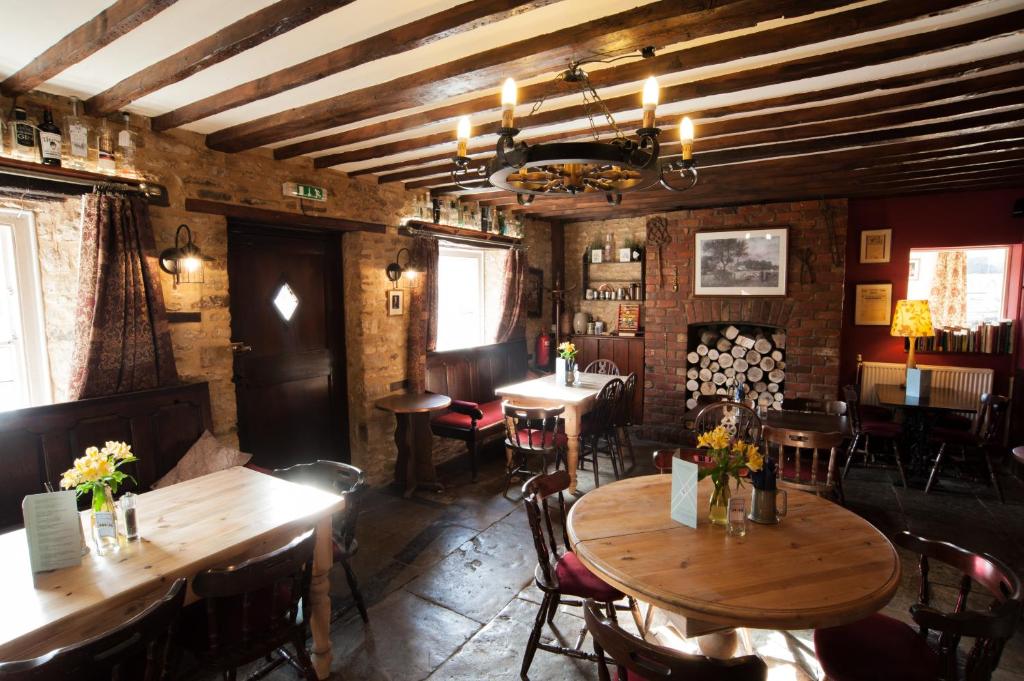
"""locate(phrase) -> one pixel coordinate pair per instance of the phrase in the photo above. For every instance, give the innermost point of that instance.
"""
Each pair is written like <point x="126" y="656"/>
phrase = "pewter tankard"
<point x="763" y="508"/>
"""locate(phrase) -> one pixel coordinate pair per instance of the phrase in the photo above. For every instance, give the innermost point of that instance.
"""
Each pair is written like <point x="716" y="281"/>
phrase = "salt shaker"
<point x="131" y="523"/>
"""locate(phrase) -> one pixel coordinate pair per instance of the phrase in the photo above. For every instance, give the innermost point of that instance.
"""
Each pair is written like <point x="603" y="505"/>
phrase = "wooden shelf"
<point x="462" y="232"/>
<point x="42" y="174"/>
<point x="973" y="353"/>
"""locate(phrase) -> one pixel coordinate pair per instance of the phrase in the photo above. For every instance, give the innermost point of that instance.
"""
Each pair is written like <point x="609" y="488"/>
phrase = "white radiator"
<point x="961" y="379"/>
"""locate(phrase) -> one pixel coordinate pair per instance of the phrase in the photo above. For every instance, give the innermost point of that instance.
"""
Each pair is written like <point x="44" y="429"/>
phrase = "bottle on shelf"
<point x="453" y="213"/>
<point x="49" y="141"/>
<point x="23" y="137"/>
<point x="107" y="145"/>
<point x="609" y="247"/>
<point x="435" y="211"/>
<point x="127" y="148"/>
<point x="76" y="139"/>
<point x="502" y="222"/>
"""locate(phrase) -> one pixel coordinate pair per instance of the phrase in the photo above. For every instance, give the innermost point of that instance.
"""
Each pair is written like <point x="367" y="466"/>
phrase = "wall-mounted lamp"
<point x="395" y="270"/>
<point x="185" y="261"/>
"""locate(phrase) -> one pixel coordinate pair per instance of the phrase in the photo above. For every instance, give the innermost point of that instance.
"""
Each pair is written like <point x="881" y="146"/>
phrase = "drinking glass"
<point x="738" y="516"/>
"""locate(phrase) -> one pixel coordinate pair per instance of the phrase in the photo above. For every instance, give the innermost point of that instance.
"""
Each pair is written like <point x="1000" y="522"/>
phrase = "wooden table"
<point x="186" y="528"/>
<point x="414" y="466"/>
<point x="806" y="421"/>
<point x="821" y="566"/>
<point x="547" y="392"/>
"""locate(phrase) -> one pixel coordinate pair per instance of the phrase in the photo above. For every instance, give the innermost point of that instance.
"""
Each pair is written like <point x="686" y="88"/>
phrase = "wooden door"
<point x="287" y="334"/>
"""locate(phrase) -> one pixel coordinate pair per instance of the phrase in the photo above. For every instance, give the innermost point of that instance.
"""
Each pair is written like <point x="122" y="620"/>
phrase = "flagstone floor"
<point x="448" y="578"/>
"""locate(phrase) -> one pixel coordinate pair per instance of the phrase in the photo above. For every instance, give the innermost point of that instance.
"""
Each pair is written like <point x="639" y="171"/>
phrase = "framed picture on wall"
<point x="396" y="302"/>
<point x="873" y="305"/>
<point x="745" y="262"/>
<point x="533" y="292"/>
<point x="875" y="245"/>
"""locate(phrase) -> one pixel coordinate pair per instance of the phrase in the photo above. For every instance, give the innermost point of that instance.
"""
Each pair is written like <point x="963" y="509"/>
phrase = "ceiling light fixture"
<point x="612" y="167"/>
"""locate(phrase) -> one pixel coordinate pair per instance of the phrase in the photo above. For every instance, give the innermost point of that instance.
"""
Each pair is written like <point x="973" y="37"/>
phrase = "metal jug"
<point x="763" y="508"/>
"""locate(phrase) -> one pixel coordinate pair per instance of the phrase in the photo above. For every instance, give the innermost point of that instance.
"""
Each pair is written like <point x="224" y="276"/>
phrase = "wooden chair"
<point x="602" y="366"/>
<point x="350" y="482"/>
<point x="253" y="609"/>
<point x="982" y="439"/>
<point x="559" y="573"/>
<point x="639" y="660"/>
<point x="882" y="647"/>
<point x="622" y="419"/>
<point x="866" y="428"/>
<point x="140" y="648"/>
<point x="597" y="426"/>
<point x="532" y="432"/>
<point x="823" y="478"/>
<point x="740" y="420"/>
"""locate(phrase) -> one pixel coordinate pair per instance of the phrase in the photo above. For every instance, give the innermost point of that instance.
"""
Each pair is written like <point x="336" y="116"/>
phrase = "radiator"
<point x="961" y="379"/>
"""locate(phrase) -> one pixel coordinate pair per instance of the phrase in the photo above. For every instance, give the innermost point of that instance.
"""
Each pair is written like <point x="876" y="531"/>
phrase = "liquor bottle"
<point x="436" y="211"/>
<point x="49" y="140"/>
<point x="23" y="137"/>
<point x="502" y="222"/>
<point x="105" y="140"/>
<point x="609" y="247"/>
<point x="76" y="139"/>
<point x="127" y="148"/>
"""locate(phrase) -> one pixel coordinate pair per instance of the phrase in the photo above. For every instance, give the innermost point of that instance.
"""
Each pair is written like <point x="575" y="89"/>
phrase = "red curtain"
<point x="422" y="311"/>
<point x="513" y="300"/>
<point x="122" y="339"/>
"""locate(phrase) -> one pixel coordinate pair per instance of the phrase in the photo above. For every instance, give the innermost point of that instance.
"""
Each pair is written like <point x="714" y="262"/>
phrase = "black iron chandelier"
<point x="613" y="167"/>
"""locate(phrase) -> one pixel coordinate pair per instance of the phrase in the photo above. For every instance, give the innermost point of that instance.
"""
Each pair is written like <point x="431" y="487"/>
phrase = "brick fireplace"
<point x="810" y="313"/>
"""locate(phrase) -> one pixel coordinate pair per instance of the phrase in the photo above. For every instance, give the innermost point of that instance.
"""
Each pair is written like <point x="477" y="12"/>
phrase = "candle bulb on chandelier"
<point x="686" y="137"/>
<point x="462" y="133"/>
<point x="508" y="103"/>
<point x="650" y="101"/>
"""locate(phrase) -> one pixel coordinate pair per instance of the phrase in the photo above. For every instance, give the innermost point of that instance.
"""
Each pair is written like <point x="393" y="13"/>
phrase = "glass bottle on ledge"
<point x="49" y="141"/>
<point x="23" y="137"/>
<point x="104" y="521"/>
<point x="76" y="139"/>
<point x="127" y="148"/>
<point x="107" y="145"/>
<point x="502" y="222"/>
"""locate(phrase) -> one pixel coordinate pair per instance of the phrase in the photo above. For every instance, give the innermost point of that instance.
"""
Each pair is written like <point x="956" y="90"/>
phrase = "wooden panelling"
<point x="474" y="373"/>
<point x="628" y="355"/>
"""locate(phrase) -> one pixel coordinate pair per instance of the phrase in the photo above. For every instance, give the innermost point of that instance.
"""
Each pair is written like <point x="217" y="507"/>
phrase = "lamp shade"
<point x="912" y="319"/>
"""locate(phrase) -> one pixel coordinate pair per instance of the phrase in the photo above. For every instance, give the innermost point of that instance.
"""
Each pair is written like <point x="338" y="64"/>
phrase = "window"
<point x="986" y="280"/>
<point x="24" y="369"/>
<point x="469" y="286"/>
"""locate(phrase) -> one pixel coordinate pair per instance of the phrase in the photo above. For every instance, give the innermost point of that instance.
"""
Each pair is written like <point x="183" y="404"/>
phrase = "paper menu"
<point x="684" y="492"/>
<point x="53" y="529"/>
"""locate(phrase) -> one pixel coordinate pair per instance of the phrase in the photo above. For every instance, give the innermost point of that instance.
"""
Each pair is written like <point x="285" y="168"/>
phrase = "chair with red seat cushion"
<point x="471" y="422"/>
<point x="532" y="432"/>
<point x="881" y="647"/>
<point x="866" y="428"/>
<point x="639" y="660"/>
<point x="981" y="441"/>
<point x="559" y="572"/>
<point x="820" y="475"/>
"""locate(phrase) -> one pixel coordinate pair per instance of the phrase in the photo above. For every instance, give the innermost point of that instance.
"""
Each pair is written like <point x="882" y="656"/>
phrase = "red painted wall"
<point x="930" y="221"/>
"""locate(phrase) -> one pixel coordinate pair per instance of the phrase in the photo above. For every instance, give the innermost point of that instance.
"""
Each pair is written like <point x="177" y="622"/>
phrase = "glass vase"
<point x="104" y="521"/>
<point x="570" y="371"/>
<point x="718" y="508"/>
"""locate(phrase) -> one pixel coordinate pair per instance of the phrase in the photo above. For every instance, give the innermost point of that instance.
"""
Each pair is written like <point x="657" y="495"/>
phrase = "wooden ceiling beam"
<point x="774" y="40"/>
<point x="87" y="39"/>
<point x="656" y="24"/>
<point x="244" y="34"/>
<point x="459" y="19"/>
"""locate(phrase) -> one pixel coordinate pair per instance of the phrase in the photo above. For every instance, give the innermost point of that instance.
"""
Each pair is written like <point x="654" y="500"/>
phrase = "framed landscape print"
<point x="534" y="292"/>
<point x="745" y="262"/>
<point x="875" y="245"/>
<point x="873" y="305"/>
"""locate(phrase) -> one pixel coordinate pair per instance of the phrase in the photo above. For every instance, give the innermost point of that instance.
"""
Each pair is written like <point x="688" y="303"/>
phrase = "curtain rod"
<point x="459" y="238"/>
<point x="51" y="186"/>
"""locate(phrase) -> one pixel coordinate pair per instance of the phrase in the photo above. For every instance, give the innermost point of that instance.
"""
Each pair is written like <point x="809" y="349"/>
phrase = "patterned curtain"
<point x="513" y="300"/>
<point x="422" y="312"/>
<point x="122" y="340"/>
<point x="948" y="299"/>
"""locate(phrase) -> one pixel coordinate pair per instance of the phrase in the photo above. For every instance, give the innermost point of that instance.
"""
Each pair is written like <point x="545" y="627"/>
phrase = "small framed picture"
<point x="915" y="269"/>
<point x="596" y="255"/>
<point x="624" y="254"/>
<point x="875" y="245"/>
<point x="873" y="305"/>
<point x="534" y="292"/>
<point x="396" y="302"/>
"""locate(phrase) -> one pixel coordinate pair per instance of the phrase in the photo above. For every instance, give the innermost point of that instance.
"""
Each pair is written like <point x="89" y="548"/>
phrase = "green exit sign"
<point x="305" y="191"/>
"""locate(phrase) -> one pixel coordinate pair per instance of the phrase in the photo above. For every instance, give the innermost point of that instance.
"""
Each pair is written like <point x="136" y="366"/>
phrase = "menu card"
<point x="684" y="492"/>
<point x="53" y="529"/>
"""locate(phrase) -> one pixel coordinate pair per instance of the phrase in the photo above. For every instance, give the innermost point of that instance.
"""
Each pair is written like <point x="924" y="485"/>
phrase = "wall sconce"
<point x="395" y="270"/>
<point x="185" y="261"/>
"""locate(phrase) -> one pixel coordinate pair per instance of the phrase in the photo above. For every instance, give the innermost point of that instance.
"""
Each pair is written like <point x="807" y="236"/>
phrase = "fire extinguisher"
<point x="542" y="352"/>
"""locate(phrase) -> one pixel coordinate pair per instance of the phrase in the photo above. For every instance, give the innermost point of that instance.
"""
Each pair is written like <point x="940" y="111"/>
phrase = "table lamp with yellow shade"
<point x="913" y="319"/>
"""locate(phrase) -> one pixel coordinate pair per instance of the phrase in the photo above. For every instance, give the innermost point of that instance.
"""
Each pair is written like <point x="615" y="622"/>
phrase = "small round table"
<point x="414" y="467"/>
<point x="821" y="566"/>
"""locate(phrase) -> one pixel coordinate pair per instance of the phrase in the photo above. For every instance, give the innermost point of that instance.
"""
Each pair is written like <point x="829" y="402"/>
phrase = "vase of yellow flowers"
<point x="728" y="456"/>
<point x="99" y="473"/>
<point x="565" y="364"/>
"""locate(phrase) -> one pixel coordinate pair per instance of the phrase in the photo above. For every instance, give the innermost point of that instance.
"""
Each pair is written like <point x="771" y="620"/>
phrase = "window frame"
<point x="447" y="249"/>
<point x="1004" y="312"/>
<point x="32" y="353"/>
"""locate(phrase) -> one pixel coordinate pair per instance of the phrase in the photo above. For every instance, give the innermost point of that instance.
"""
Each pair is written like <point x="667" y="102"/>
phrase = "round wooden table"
<point x="414" y="467"/>
<point x="821" y="566"/>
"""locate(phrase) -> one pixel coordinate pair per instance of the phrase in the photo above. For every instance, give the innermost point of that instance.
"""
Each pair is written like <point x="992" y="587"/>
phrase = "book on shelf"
<point x="992" y="338"/>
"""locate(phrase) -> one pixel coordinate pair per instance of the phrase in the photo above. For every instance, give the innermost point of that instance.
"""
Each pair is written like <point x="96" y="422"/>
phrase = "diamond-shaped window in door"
<point x="285" y="301"/>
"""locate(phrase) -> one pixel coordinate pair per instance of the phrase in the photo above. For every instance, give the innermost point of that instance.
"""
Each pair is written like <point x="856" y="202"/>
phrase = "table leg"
<point x="414" y="467"/>
<point x="572" y="433"/>
<point x="320" y="600"/>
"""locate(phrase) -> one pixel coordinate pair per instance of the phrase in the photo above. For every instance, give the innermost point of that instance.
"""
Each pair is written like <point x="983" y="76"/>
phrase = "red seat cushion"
<point x="492" y="414"/>
<point x="881" y="428"/>
<point x="631" y="675"/>
<point x="953" y="436"/>
<point x="872" y="412"/>
<point x="531" y="438"/>
<point x="574" y="579"/>
<point x="789" y="467"/>
<point x="954" y="422"/>
<point x="875" y="648"/>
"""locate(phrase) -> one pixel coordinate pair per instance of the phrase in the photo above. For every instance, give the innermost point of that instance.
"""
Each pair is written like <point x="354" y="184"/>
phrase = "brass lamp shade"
<point x="912" y="319"/>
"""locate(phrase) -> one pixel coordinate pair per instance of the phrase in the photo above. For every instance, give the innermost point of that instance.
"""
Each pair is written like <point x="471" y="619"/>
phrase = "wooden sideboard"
<point x="628" y="355"/>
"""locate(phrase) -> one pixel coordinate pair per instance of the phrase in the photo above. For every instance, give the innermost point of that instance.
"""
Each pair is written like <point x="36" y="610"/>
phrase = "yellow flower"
<point x="69" y="479"/>
<point x="714" y="439"/>
<point x="118" y="450"/>
<point x="755" y="461"/>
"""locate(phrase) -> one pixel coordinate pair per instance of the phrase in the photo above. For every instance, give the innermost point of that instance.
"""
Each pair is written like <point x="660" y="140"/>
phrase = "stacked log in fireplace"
<point x="722" y="355"/>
